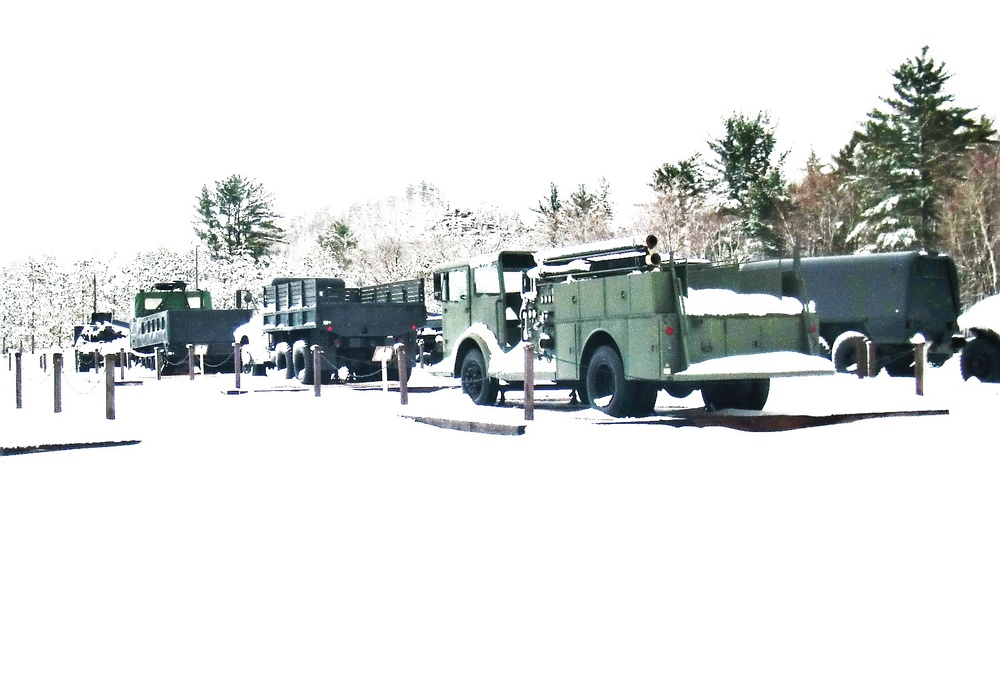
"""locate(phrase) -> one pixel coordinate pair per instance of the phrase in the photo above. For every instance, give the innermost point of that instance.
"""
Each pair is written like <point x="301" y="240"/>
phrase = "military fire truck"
<point x="616" y="323"/>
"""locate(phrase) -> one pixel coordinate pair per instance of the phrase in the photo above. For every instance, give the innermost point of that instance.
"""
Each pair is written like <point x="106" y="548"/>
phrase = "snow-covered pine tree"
<point x="749" y="178"/>
<point x="908" y="157"/>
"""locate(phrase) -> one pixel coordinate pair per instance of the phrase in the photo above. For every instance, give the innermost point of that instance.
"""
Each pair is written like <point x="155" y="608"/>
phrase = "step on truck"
<point x="616" y="323"/>
<point x="346" y="323"/>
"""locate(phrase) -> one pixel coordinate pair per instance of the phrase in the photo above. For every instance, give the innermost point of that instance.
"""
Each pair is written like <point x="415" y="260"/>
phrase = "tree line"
<point x="919" y="173"/>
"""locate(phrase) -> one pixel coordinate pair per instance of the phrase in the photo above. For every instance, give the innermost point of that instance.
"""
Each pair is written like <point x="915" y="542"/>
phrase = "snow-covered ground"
<point x="273" y="541"/>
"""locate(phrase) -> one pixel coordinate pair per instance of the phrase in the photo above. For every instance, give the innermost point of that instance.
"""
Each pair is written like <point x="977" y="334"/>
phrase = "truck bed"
<point x="174" y="330"/>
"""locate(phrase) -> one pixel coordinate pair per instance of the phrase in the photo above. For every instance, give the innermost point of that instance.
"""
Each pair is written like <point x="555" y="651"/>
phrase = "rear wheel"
<point x="283" y="360"/>
<point x="749" y="394"/>
<point x="845" y="352"/>
<point x="644" y="398"/>
<point x="476" y="382"/>
<point x="607" y="390"/>
<point x="980" y="359"/>
<point x="302" y="362"/>
<point x="679" y="389"/>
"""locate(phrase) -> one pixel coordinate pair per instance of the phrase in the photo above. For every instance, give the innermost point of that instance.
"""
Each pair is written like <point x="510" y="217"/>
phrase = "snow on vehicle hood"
<point x="984" y="314"/>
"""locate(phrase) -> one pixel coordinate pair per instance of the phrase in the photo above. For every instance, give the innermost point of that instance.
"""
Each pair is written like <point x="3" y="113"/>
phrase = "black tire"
<point x="749" y="394"/>
<point x="607" y="390"/>
<point x="302" y="362"/>
<point x="283" y="360"/>
<point x="980" y="359"/>
<point x="845" y="353"/>
<point x="644" y="398"/>
<point x="476" y="383"/>
<point x="679" y="389"/>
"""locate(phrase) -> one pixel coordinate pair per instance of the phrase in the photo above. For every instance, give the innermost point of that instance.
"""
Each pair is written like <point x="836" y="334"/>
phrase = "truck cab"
<point x="486" y="290"/>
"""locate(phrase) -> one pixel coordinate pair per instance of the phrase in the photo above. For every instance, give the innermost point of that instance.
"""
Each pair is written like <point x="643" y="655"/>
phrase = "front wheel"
<point x="476" y="382"/>
<point x="980" y="359"/>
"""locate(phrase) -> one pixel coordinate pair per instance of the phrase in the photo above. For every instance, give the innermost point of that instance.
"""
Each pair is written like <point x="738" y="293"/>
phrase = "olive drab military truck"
<point x="346" y="323"/>
<point x="980" y="340"/>
<point x="616" y="323"/>
<point x="169" y="317"/>
<point x="885" y="298"/>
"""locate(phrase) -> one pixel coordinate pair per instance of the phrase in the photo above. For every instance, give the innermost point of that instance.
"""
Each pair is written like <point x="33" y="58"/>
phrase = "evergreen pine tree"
<point x="551" y="213"/>
<point x="681" y="191"/>
<point x="749" y="177"/>
<point x="236" y="219"/>
<point x="338" y="242"/>
<point x="908" y="158"/>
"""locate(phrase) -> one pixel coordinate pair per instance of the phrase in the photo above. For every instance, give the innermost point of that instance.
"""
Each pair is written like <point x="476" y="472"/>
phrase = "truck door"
<point x="455" y="304"/>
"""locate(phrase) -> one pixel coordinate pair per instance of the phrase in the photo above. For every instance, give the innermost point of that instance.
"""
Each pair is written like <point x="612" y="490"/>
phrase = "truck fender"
<point x="472" y="341"/>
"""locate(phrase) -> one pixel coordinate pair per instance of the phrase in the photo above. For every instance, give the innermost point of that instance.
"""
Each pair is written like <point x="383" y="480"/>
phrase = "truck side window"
<point x="457" y="287"/>
<point x="486" y="280"/>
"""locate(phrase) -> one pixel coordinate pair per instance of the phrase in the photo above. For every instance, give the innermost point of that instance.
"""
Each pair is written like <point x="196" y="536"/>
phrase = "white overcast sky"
<point x="114" y="114"/>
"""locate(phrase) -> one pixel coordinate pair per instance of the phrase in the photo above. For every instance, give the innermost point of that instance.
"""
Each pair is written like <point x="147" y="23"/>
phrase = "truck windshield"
<point x="487" y="281"/>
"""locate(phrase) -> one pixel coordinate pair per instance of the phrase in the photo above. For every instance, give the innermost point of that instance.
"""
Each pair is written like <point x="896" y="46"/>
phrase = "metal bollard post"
<point x="109" y="385"/>
<point x="529" y="382"/>
<point x="121" y="365"/>
<point x="860" y="357"/>
<point x="237" y="366"/>
<point x="920" y="363"/>
<point x="18" y="380"/>
<point x="157" y="362"/>
<point x="404" y="375"/>
<point x="317" y="355"/>
<point x="191" y="361"/>
<point x="57" y="366"/>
